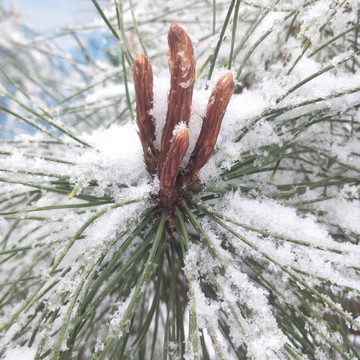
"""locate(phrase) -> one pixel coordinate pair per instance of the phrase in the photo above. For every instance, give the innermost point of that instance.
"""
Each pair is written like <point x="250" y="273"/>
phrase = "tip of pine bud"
<point x="175" y="30"/>
<point x="140" y="57"/>
<point x="140" y="63"/>
<point x="182" y="137"/>
<point x="179" y="40"/>
<point x="226" y="82"/>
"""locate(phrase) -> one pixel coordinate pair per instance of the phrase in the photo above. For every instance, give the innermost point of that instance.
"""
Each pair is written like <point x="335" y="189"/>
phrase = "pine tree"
<point x="207" y="208"/>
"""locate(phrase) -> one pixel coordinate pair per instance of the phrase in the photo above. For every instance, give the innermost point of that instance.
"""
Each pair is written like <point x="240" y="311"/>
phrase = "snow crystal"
<point x="106" y="92"/>
<point x="20" y="352"/>
<point x="178" y="128"/>
<point x="344" y="213"/>
<point x="161" y="89"/>
<point x="116" y="317"/>
<point x="117" y="159"/>
<point x="313" y="18"/>
<point x="274" y="217"/>
<point x="186" y="84"/>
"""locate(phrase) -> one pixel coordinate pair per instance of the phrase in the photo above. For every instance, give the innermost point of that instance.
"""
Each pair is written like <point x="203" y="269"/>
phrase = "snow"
<point x="18" y="352"/>
<point x="161" y="89"/>
<point x="179" y="128"/>
<point x="119" y="150"/>
<point x="106" y="92"/>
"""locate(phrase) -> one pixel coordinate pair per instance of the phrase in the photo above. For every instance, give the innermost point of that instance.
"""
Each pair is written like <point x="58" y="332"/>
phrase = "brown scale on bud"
<point x="143" y="81"/>
<point x="214" y="115"/>
<point x="166" y="162"/>
<point x="182" y="74"/>
<point x="170" y="170"/>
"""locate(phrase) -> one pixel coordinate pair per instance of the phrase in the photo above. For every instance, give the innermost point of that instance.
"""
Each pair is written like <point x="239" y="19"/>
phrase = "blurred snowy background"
<point x="45" y="16"/>
<point x="34" y="22"/>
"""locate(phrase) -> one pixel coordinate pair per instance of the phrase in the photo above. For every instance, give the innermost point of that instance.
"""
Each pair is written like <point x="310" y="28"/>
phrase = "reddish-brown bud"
<point x="166" y="161"/>
<point x="170" y="170"/>
<point x="182" y="70"/>
<point x="215" y="112"/>
<point x="143" y="82"/>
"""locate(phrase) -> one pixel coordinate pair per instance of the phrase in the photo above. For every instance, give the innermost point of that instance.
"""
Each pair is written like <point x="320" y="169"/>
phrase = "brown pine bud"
<point x="182" y="71"/>
<point x="143" y="82"/>
<point x="215" y="112"/>
<point x="168" y="176"/>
